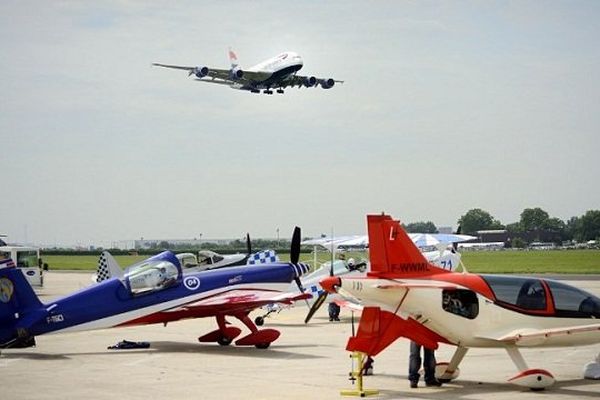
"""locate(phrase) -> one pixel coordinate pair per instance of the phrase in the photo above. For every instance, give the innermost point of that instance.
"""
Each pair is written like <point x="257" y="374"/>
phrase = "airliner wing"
<point x="563" y="336"/>
<point x="222" y="76"/>
<point x="225" y="74"/>
<point x="189" y="69"/>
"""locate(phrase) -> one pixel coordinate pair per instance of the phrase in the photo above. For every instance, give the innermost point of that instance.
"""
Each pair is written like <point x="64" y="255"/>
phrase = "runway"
<point x="306" y="362"/>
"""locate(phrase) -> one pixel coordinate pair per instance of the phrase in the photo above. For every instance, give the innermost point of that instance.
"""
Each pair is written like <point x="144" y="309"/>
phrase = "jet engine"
<point x="309" y="81"/>
<point x="326" y="83"/>
<point x="200" y="72"/>
<point x="236" y="73"/>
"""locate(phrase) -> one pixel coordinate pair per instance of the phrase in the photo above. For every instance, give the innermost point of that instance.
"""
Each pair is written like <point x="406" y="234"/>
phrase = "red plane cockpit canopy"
<point x="540" y="296"/>
<point x="572" y="302"/>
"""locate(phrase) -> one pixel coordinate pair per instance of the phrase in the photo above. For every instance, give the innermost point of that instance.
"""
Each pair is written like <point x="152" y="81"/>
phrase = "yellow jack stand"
<point x="357" y="375"/>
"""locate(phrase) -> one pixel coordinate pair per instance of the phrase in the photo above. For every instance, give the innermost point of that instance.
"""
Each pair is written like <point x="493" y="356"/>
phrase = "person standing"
<point x="414" y="364"/>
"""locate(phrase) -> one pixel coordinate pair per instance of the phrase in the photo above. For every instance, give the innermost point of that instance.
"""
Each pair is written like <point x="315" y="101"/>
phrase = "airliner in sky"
<point x="275" y="73"/>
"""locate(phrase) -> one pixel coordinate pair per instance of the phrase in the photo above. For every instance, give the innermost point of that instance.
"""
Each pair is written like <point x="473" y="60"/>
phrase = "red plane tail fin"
<point x="378" y="329"/>
<point x="392" y="252"/>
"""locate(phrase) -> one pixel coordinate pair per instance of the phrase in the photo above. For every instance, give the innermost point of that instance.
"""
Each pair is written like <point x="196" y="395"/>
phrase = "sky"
<point x="445" y="107"/>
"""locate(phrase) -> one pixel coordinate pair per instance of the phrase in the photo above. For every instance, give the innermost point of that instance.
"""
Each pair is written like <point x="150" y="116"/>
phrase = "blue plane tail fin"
<point x="108" y="267"/>
<point x="17" y="298"/>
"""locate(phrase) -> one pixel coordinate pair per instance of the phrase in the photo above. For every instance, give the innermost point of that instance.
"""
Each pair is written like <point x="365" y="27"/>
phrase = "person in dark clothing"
<point x="414" y="364"/>
<point x="334" y="312"/>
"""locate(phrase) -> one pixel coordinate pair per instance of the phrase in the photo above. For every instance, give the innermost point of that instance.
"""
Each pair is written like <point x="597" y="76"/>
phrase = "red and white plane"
<point x="405" y="296"/>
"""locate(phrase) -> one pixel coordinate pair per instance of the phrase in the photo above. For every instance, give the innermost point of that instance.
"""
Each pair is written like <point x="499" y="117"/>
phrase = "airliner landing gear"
<point x="280" y="91"/>
<point x="254" y="91"/>
<point x="268" y="91"/>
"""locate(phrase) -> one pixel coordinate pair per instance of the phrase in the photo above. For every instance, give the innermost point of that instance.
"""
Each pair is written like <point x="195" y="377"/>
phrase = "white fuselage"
<point x="491" y="322"/>
<point x="285" y="61"/>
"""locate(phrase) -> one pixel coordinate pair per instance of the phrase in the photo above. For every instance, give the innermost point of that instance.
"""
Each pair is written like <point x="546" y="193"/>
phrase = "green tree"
<point x="477" y="219"/>
<point x="533" y="219"/>
<point x="573" y="229"/>
<point x="513" y="228"/>
<point x="421" y="227"/>
<point x="518" y="243"/>
<point x="590" y="225"/>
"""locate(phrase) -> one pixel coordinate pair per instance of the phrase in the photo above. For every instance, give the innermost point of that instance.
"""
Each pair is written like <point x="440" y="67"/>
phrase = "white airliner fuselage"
<point x="275" y="73"/>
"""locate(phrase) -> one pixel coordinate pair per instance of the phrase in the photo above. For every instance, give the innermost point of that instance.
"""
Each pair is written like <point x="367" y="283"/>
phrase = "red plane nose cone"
<point x="330" y="283"/>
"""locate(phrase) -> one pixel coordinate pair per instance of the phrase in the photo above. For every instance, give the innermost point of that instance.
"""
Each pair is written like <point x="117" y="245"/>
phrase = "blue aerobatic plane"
<point x="152" y="291"/>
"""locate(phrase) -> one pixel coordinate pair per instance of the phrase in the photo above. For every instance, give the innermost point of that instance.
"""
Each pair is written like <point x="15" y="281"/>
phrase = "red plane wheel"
<point x="224" y="341"/>
<point x="262" y="345"/>
<point x="260" y="321"/>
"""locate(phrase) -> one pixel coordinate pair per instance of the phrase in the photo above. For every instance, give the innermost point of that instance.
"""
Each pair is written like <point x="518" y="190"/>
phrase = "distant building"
<point x="157" y="243"/>
<point x="493" y="235"/>
<point x="503" y="236"/>
<point x="447" y="230"/>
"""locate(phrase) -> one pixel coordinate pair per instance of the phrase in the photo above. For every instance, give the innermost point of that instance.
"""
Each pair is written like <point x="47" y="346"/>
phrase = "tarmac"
<point x="306" y="362"/>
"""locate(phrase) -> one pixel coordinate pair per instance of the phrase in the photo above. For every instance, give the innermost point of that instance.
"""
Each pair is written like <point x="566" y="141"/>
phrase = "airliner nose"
<point x="330" y="283"/>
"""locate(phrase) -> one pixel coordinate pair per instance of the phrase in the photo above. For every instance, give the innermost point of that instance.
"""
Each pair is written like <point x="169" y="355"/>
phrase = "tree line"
<point x="580" y="229"/>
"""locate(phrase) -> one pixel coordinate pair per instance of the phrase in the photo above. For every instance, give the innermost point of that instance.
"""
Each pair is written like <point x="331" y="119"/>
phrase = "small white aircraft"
<point x="108" y="267"/>
<point x="442" y="257"/>
<point x="275" y="73"/>
<point x="404" y="295"/>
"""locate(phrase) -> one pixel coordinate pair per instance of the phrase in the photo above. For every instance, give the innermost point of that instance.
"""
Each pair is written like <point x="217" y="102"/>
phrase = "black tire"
<point x="260" y="321"/>
<point x="262" y="345"/>
<point x="224" y="341"/>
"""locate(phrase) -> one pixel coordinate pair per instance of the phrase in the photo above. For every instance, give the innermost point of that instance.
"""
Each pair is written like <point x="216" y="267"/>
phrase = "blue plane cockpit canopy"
<point x="153" y="274"/>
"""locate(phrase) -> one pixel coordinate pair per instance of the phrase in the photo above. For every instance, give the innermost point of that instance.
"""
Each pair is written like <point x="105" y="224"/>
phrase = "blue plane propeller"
<point x="152" y="291"/>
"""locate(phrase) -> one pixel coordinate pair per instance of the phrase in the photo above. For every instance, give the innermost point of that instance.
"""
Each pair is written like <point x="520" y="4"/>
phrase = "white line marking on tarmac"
<point x="143" y="360"/>
<point x="5" y="362"/>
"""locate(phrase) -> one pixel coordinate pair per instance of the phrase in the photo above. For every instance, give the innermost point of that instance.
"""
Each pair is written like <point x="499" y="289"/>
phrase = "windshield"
<point x="27" y="259"/>
<point x="205" y="257"/>
<point x="525" y="293"/>
<point x="572" y="302"/>
<point x="151" y="275"/>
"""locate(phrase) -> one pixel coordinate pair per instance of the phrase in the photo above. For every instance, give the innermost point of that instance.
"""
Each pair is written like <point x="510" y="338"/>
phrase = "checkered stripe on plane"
<point x="103" y="273"/>
<point x="315" y="290"/>
<point x="263" y="257"/>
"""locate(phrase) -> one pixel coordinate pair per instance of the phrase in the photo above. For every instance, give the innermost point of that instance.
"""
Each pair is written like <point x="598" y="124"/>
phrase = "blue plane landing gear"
<point x="224" y="335"/>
